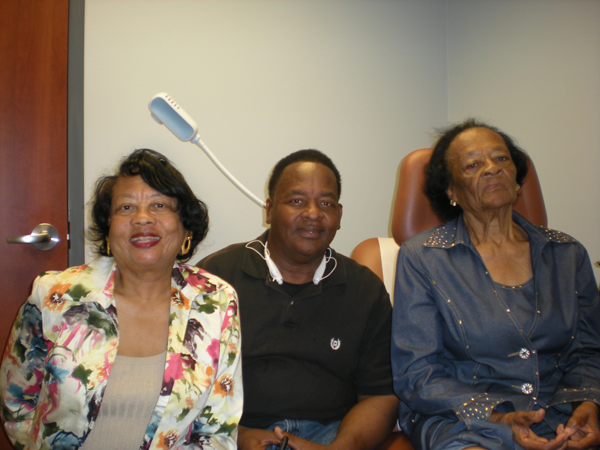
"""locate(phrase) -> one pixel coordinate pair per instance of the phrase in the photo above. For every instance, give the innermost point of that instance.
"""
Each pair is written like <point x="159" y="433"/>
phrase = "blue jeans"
<point x="305" y="429"/>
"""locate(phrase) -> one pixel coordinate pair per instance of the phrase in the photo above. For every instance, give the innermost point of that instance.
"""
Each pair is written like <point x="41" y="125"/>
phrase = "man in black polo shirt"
<point x="315" y="324"/>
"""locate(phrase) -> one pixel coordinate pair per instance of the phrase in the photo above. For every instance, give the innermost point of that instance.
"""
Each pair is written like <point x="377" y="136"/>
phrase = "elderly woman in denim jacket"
<point x="496" y="321"/>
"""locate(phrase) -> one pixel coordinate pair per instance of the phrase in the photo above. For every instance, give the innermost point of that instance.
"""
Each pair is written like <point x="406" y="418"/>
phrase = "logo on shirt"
<point x="335" y="343"/>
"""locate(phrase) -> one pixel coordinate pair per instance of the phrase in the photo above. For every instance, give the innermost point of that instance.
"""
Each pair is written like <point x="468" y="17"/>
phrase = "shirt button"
<point x="524" y="353"/>
<point x="527" y="388"/>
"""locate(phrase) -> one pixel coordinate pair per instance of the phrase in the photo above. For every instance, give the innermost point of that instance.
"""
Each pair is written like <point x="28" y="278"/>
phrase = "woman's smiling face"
<point x="145" y="228"/>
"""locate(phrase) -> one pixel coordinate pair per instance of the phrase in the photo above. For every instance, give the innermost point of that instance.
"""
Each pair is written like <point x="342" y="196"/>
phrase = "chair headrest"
<point x="412" y="210"/>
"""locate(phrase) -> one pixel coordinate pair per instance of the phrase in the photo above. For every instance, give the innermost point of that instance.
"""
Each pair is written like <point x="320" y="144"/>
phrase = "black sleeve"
<point x="374" y="372"/>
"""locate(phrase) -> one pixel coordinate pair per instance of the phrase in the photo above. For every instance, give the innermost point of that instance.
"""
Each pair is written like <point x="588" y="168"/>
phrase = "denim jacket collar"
<point x="455" y="233"/>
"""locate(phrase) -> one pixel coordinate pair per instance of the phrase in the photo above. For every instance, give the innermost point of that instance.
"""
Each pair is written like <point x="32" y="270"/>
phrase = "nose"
<point x="142" y="216"/>
<point x="312" y="211"/>
<point x="491" y="167"/>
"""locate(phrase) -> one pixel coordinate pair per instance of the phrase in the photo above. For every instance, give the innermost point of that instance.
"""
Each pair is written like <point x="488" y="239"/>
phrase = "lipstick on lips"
<point x="144" y="240"/>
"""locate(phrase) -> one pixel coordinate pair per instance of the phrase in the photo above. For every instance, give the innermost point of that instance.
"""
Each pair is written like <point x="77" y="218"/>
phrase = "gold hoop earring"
<point x="452" y="202"/>
<point x="185" y="247"/>
<point x="107" y="247"/>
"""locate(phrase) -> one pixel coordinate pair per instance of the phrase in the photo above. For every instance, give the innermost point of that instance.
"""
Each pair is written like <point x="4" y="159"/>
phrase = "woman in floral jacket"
<point x="79" y="370"/>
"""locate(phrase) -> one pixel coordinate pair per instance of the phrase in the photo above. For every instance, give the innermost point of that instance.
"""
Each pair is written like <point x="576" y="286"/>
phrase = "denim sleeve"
<point x="580" y="362"/>
<point x="422" y="379"/>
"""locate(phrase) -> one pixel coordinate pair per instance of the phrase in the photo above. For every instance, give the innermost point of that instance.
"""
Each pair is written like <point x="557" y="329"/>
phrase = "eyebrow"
<point x="152" y="196"/>
<point x="476" y="152"/>
<point x="156" y="194"/>
<point x="303" y="192"/>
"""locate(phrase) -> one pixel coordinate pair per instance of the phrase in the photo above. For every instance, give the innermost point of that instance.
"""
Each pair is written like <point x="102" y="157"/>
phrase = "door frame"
<point x="75" y="181"/>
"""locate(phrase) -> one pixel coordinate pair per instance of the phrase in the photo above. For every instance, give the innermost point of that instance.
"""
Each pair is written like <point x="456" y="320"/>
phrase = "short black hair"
<point x="309" y="155"/>
<point x="438" y="175"/>
<point x="160" y="174"/>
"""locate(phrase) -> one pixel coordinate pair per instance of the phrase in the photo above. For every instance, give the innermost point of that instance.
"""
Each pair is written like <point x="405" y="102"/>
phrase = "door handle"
<point x="43" y="237"/>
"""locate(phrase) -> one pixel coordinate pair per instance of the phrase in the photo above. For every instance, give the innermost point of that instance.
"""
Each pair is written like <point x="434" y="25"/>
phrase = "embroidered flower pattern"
<point x="54" y="299"/>
<point x="224" y="385"/>
<point x="179" y="299"/>
<point x="166" y="440"/>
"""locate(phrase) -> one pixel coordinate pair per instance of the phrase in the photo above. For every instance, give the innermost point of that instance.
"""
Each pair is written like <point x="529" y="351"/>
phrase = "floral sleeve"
<point x="221" y="414"/>
<point x="22" y="369"/>
<point x="200" y="404"/>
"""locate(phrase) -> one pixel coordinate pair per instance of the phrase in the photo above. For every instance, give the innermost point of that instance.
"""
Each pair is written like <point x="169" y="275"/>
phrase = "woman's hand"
<point x="583" y="427"/>
<point x="520" y="423"/>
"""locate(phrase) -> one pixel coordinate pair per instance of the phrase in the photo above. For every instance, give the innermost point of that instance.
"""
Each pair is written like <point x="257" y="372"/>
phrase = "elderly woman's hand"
<point x="583" y="427"/>
<point x="520" y="423"/>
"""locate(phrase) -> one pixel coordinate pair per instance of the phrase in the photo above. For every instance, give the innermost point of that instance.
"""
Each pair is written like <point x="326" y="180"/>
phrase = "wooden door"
<point x="33" y="145"/>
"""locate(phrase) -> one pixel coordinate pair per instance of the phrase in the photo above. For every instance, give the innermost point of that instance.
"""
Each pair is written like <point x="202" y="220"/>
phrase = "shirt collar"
<point x="455" y="232"/>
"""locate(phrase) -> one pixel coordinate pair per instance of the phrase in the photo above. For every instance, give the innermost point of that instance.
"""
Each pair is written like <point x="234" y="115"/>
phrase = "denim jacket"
<point x="458" y="351"/>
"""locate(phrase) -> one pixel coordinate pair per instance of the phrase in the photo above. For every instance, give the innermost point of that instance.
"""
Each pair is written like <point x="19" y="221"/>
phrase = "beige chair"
<point x="413" y="214"/>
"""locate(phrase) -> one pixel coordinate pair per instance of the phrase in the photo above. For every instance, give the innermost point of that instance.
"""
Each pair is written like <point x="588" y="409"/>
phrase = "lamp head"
<point x="167" y="111"/>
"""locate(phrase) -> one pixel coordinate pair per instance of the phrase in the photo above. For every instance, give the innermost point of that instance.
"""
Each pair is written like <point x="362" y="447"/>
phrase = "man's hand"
<point x="296" y="443"/>
<point x="365" y="426"/>
<point x="582" y="427"/>
<point x="256" y="439"/>
<point x="520" y="423"/>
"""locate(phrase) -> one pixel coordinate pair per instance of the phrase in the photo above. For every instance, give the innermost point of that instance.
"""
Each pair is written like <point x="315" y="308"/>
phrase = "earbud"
<point x="273" y="270"/>
<point x="320" y="271"/>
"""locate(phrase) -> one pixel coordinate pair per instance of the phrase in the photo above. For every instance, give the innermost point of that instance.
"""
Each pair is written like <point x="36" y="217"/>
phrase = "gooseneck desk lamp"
<point x="167" y="112"/>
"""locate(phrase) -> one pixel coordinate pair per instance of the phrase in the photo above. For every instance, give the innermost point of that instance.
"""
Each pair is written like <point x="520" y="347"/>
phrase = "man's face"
<point x="304" y="213"/>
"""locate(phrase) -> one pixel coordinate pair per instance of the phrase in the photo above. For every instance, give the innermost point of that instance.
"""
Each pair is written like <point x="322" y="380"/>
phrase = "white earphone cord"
<point x="276" y="274"/>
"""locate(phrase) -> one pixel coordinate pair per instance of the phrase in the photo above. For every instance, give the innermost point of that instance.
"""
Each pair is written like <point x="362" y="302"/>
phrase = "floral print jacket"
<point x="64" y="342"/>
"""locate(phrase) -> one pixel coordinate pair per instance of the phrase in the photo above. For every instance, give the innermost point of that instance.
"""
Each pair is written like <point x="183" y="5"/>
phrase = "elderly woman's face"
<point x="145" y="227"/>
<point x="483" y="173"/>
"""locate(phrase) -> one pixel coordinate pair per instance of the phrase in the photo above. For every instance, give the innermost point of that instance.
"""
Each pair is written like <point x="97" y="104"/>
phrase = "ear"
<point x="450" y="192"/>
<point x="269" y="209"/>
<point x="340" y="210"/>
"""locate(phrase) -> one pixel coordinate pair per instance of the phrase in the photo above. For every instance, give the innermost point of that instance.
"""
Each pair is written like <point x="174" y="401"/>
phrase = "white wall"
<point x="533" y="69"/>
<point x="363" y="81"/>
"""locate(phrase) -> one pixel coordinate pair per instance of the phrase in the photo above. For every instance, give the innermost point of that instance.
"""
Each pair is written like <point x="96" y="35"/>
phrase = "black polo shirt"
<point x="307" y="356"/>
